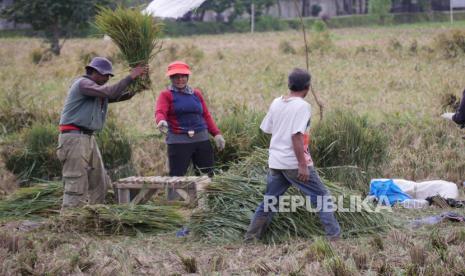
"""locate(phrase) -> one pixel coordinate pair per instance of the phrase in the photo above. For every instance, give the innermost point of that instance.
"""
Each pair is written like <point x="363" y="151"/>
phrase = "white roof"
<point x="172" y="8"/>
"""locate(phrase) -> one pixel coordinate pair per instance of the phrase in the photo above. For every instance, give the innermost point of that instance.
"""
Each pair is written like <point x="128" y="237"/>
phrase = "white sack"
<point x="422" y="190"/>
<point x="172" y="8"/>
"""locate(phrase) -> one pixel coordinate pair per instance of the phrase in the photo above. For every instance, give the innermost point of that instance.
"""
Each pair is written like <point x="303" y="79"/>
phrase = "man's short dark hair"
<point x="299" y="79"/>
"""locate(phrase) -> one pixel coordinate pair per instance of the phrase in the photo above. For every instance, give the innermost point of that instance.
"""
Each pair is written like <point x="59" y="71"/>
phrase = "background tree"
<point x="218" y="6"/>
<point x="54" y="19"/>
<point x="380" y="8"/>
<point x="244" y="6"/>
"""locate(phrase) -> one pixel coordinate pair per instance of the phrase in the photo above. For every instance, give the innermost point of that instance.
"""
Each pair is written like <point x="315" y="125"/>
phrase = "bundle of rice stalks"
<point x="41" y="200"/>
<point x="348" y="148"/>
<point x="121" y="219"/>
<point x="137" y="36"/>
<point x="231" y="199"/>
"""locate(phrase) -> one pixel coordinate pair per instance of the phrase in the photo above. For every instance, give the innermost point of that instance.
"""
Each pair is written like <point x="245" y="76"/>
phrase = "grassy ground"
<point x="373" y="71"/>
<point x="429" y="250"/>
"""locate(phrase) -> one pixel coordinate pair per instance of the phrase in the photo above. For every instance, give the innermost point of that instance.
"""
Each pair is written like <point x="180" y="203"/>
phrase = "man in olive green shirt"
<point x="84" y="113"/>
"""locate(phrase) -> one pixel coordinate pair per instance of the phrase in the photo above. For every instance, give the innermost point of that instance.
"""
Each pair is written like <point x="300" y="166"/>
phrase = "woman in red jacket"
<point x="182" y="114"/>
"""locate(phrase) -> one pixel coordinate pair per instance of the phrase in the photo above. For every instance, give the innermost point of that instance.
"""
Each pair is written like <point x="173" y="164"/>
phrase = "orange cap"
<point x="178" y="67"/>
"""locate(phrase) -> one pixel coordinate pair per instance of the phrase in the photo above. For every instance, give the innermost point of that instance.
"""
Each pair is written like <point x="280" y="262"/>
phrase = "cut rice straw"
<point x="231" y="199"/>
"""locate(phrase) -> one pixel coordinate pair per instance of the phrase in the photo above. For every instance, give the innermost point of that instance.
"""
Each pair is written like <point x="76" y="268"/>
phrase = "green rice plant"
<point x="449" y="102"/>
<point x="385" y="269"/>
<point x="231" y="199"/>
<point x="450" y="44"/>
<point x="394" y="46"/>
<point x="86" y="56"/>
<point x="189" y="263"/>
<point x="320" y="250"/>
<point x="348" y="148"/>
<point x="40" y="200"/>
<point x="319" y="26"/>
<point x="137" y="36"/>
<point x="116" y="150"/>
<point x="120" y="219"/>
<point x="241" y="130"/>
<point x="338" y="267"/>
<point x="439" y="244"/>
<point x="192" y="54"/>
<point x="36" y="55"/>
<point x="18" y="110"/>
<point x="320" y="42"/>
<point x="418" y="255"/>
<point x="377" y="243"/>
<point x="31" y="153"/>
<point x="360" y="258"/>
<point x="286" y="48"/>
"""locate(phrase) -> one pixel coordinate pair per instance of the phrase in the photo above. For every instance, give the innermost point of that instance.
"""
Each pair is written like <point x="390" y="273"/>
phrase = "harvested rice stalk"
<point x="137" y="36"/>
<point x="231" y="200"/>
<point x="40" y="200"/>
<point x="121" y="219"/>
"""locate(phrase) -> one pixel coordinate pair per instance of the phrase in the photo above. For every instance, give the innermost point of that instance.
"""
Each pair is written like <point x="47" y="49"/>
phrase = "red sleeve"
<point x="212" y="128"/>
<point x="162" y="107"/>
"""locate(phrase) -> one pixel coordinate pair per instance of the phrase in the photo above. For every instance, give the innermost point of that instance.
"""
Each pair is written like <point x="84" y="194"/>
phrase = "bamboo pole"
<point x="314" y="93"/>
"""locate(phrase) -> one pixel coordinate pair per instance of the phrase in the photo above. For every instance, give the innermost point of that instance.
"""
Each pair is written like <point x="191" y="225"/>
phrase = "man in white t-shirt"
<point x="288" y="121"/>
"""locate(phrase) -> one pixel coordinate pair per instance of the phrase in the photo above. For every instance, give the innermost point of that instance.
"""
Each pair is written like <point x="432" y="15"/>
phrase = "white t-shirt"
<point x="286" y="116"/>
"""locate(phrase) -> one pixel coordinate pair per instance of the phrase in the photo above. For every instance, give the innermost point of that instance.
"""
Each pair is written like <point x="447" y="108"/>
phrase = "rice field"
<point x="396" y="76"/>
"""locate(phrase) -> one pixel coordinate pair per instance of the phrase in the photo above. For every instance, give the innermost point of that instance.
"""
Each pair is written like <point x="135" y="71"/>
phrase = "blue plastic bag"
<point x="386" y="188"/>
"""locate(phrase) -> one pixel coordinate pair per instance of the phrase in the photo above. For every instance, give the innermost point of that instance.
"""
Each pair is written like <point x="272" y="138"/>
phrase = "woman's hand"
<point x="220" y="142"/>
<point x="163" y="126"/>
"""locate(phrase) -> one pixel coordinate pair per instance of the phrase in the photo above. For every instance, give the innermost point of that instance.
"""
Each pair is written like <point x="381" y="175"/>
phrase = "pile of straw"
<point x="232" y="198"/>
<point x="41" y="200"/>
<point x="44" y="200"/>
<point x="121" y="219"/>
<point x="137" y="36"/>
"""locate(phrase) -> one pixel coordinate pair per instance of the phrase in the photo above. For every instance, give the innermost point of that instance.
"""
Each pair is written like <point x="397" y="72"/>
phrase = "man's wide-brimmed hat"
<point x="178" y="67"/>
<point x="101" y="65"/>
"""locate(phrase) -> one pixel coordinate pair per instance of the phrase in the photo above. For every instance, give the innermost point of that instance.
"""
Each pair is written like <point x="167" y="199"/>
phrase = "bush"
<point x="268" y="23"/>
<point x="348" y="148"/>
<point x="241" y="130"/>
<point x="450" y="44"/>
<point x="31" y="153"/>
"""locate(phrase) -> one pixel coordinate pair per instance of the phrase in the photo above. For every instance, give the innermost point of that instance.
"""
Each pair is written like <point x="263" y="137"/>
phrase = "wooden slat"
<point x="135" y="185"/>
<point x="144" y="195"/>
<point x="123" y="196"/>
<point x="151" y="184"/>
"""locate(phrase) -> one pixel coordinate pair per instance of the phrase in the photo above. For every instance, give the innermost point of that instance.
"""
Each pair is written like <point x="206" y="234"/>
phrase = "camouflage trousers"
<point x="84" y="176"/>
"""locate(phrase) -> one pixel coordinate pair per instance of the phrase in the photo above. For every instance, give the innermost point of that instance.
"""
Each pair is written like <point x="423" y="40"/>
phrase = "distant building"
<point x="4" y="24"/>
<point x="331" y="8"/>
<point x="9" y="25"/>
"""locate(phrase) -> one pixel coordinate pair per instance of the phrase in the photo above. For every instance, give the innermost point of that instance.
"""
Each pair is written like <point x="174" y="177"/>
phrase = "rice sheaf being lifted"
<point x="137" y="36"/>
